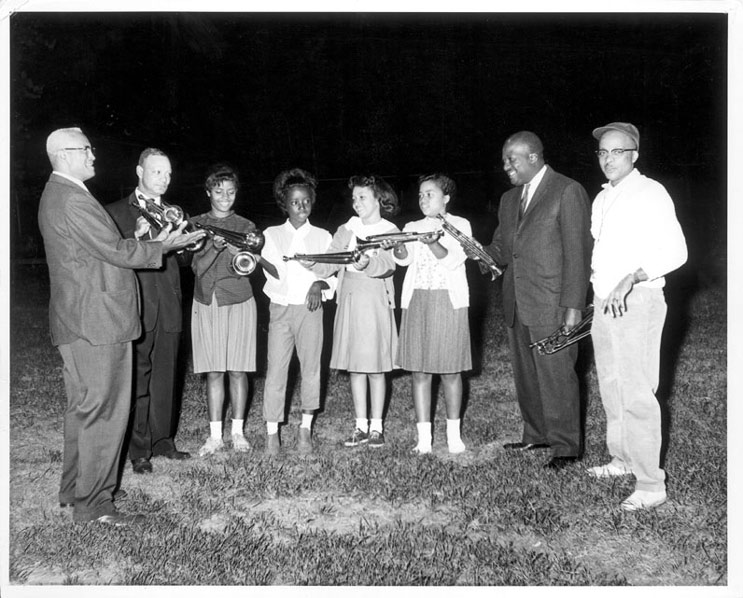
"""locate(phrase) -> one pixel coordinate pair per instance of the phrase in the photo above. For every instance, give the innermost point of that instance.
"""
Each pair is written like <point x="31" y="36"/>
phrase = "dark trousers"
<point x="547" y="390"/>
<point x="98" y="384"/>
<point x="154" y="418"/>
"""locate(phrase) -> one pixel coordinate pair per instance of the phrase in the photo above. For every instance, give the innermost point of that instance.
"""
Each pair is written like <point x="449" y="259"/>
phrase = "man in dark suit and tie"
<point x="93" y="319"/>
<point x="544" y="239"/>
<point x="155" y="412"/>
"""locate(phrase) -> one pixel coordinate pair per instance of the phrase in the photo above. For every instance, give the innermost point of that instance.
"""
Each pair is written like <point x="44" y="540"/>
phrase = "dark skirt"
<point x="434" y="337"/>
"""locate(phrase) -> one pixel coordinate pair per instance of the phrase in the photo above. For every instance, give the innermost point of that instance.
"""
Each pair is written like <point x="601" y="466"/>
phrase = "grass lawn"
<point x="382" y="517"/>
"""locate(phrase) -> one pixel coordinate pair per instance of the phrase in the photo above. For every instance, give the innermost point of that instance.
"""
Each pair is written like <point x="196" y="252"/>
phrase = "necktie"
<point x="524" y="199"/>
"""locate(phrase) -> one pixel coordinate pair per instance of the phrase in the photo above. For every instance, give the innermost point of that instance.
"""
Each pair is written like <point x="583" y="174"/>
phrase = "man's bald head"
<point x="522" y="157"/>
<point x="529" y="140"/>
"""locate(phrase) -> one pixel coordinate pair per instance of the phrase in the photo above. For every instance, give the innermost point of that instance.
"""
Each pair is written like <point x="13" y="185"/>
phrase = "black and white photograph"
<point x="349" y="298"/>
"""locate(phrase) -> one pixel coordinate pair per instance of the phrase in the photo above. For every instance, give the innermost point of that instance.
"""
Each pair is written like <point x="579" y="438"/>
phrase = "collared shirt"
<point x="294" y="279"/>
<point x="78" y="182"/>
<point x="534" y="183"/>
<point x="213" y="275"/>
<point x="138" y="192"/>
<point x="634" y="226"/>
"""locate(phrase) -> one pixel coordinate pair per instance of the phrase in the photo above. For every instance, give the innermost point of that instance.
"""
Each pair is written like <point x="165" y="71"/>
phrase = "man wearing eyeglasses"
<point x="155" y="410"/>
<point x="93" y="319"/>
<point x="637" y="240"/>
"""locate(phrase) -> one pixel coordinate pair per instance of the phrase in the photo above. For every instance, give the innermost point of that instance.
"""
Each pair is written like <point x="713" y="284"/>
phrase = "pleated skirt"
<point x="364" y="332"/>
<point x="434" y="337"/>
<point x="223" y="336"/>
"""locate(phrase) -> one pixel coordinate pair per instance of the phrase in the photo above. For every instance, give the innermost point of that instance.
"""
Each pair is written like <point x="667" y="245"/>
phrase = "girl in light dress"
<point x="365" y="333"/>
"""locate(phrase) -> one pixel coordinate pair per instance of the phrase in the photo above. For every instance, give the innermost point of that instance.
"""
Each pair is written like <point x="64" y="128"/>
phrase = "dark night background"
<point x="394" y="94"/>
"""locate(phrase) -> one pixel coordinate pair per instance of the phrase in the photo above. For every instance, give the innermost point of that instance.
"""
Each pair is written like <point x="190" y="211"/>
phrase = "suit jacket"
<point x="161" y="287"/>
<point x="547" y="254"/>
<point x="94" y="293"/>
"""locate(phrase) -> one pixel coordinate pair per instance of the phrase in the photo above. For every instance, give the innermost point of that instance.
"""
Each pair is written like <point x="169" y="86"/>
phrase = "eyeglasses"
<point x="616" y="152"/>
<point x="87" y="148"/>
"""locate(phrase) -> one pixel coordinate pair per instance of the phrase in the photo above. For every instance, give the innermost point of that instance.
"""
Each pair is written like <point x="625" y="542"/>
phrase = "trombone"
<point x="160" y="216"/>
<point x="472" y="247"/>
<point x="560" y="339"/>
<point x="249" y="244"/>
<point x="372" y="242"/>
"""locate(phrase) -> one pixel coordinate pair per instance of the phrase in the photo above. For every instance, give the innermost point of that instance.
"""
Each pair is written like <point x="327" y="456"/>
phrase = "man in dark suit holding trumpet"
<point x="543" y="239"/>
<point x="155" y="410"/>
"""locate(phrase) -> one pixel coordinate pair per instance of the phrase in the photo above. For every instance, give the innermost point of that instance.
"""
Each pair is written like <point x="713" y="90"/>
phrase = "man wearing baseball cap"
<point x="637" y="240"/>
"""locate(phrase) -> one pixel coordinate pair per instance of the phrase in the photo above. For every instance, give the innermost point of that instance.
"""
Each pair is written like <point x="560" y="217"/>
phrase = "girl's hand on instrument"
<point x="361" y="261"/>
<point x="430" y="238"/>
<point x="219" y="243"/>
<point x="306" y="264"/>
<point x="389" y="244"/>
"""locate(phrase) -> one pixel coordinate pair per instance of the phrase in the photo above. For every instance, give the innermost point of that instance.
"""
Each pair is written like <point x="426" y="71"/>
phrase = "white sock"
<point x="237" y="426"/>
<point x="376" y="426"/>
<point x="452" y="431"/>
<point x="307" y="420"/>
<point x="215" y="430"/>
<point x="424" y="434"/>
<point x="362" y="424"/>
<point x="272" y="427"/>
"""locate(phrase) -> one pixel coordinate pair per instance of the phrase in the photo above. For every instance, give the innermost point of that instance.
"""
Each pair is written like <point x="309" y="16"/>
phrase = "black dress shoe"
<point x="525" y="446"/>
<point x="176" y="455"/>
<point x="558" y="463"/>
<point x="141" y="465"/>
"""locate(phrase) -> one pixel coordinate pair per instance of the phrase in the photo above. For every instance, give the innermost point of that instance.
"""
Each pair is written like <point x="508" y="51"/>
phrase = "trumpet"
<point x="165" y="214"/>
<point x="244" y="261"/>
<point x="560" y="339"/>
<point x="472" y="247"/>
<point x="372" y="242"/>
<point x="341" y="257"/>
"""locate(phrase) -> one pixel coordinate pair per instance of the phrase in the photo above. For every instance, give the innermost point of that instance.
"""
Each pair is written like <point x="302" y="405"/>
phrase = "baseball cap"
<point x="626" y="128"/>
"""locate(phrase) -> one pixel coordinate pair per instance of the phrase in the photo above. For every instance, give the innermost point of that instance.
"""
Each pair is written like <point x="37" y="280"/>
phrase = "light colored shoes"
<point x="642" y="500"/>
<point x="610" y="470"/>
<point x="211" y="446"/>
<point x="304" y="441"/>
<point x="456" y="447"/>
<point x="273" y="445"/>
<point x="240" y="444"/>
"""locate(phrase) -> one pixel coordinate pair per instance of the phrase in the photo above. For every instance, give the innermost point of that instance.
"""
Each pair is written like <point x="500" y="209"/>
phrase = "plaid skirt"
<point x="434" y="337"/>
<point x="223" y="336"/>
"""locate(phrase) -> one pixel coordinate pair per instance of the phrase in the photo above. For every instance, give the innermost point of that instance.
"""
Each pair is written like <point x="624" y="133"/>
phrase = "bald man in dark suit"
<point x="544" y="239"/>
<point x="93" y="318"/>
